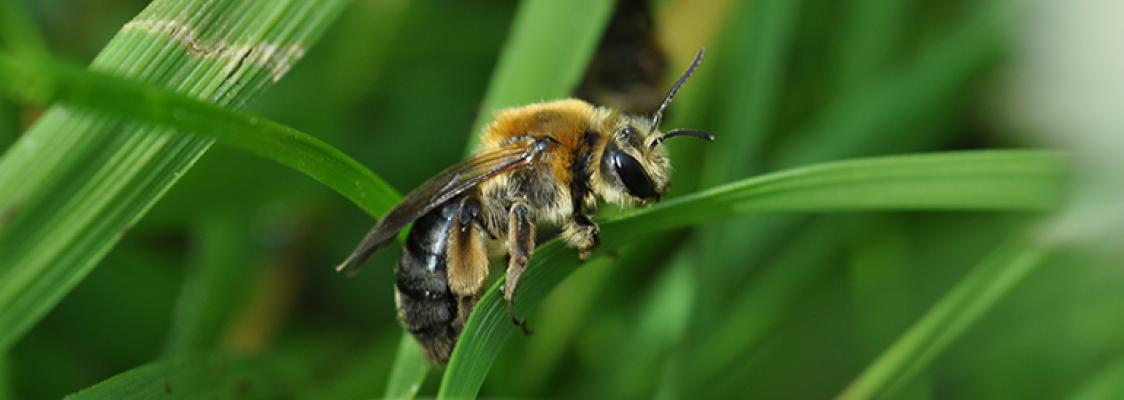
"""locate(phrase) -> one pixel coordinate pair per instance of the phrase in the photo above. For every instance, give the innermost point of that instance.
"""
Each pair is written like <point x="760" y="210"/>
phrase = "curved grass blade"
<point x="44" y="80"/>
<point x="76" y="181"/>
<point x="57" y="81"/>
<point x="985" y="180"/>
<point x="953" y="314"/>
<point x="218" y="376"/>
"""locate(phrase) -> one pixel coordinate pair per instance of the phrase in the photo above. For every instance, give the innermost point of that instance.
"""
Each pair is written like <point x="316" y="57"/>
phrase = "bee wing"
<point x="447" y="185"/>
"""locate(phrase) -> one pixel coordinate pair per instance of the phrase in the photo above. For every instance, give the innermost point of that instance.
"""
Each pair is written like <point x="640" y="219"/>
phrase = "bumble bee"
<point x="545" y="163"/>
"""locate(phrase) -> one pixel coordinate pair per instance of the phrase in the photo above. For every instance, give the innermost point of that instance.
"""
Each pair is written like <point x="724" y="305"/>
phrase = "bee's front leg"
<point x="583" y="233"/>
<point x="520" y="246"/>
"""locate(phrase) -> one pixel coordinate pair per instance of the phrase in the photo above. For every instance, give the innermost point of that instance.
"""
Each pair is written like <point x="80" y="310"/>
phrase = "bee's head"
<point x="633" y="166"/>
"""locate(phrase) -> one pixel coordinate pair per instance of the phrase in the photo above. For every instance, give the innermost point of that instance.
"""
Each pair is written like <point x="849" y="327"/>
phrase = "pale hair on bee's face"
<point x="633" y="168"/>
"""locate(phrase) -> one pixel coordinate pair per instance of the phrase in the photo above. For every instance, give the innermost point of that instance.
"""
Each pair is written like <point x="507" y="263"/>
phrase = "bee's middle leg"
<point x="521" y="244"/>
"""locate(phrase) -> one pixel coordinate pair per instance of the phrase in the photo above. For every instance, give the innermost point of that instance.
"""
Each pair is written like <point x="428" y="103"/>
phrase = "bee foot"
<point x="520" y="322"/>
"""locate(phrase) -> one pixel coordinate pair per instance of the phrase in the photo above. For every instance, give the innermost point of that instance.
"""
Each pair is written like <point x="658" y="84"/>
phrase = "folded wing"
<point x="446" y="186"/>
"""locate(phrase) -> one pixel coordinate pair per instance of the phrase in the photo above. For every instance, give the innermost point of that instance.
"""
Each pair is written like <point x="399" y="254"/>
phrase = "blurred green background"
<point x="236" y="257"/>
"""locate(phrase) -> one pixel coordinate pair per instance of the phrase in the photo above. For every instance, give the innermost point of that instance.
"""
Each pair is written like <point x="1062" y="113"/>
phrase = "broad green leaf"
<point x="985" y="180"/>
<point x="76" y="181"/>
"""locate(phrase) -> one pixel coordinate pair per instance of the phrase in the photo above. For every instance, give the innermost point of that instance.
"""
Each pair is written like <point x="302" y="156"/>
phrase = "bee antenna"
<point x="683" y="132"/>
<point x="675" y="88"/>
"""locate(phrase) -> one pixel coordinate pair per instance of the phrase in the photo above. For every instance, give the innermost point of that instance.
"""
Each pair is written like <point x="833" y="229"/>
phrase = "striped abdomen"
<point x="426" y="306"/>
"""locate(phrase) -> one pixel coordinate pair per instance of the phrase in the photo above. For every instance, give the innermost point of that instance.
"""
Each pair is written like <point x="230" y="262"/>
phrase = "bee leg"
<point x="466" y="254"/>
<point x="582" y="233"/>
<point x="521" y="243"/>
<point x="464" y="309"/>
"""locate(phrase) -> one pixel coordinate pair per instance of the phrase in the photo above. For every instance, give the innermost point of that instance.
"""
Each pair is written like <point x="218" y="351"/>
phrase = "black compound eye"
<point x="632" y="175"/>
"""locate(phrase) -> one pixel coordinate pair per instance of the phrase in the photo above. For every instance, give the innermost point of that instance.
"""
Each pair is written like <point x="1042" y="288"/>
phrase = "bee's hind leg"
<point x="521" y="244"/>
<point x="466" y="256"/>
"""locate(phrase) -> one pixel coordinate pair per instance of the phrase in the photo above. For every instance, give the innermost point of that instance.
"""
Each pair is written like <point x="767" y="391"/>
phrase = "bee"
<point x="545" y="163"/>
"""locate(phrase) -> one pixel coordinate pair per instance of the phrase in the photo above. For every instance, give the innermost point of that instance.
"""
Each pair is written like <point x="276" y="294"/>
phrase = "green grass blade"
<point x="548" y="49"/>
<point x="971" y="180"/>
<point x="76" y="181"/>
<point x="188" y="378"/>
<point x="409" y="370"/>
<point x="986" y="180"/>
<point x="45" y="81"/>
<point x="950" y="317"/>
